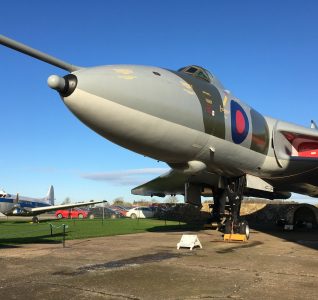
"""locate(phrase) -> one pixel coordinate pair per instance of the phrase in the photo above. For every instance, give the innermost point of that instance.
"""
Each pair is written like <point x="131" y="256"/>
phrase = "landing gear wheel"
<point x="59" y="216"/>
<point x="35" y="219"/>
<point x="80" y="216"/>
<point x="244" y="229"/>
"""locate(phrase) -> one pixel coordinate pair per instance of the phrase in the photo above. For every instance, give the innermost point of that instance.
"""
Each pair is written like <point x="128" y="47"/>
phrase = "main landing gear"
<point x="228" y="213"/>
<point x="35" y="219"/>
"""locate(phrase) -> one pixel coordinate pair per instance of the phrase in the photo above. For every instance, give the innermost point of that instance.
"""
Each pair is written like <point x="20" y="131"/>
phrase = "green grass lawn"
<point x="20" y="232"/>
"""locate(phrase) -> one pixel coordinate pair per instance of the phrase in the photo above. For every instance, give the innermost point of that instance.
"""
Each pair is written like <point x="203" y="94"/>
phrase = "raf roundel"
<point x="239" y="123"/>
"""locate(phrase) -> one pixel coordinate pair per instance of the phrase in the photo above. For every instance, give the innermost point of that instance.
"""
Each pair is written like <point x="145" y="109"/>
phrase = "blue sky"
<point x="265" y="52"/>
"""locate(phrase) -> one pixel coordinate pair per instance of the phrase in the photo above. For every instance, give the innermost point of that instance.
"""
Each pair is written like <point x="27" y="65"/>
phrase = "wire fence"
<point x="35" y="233"/>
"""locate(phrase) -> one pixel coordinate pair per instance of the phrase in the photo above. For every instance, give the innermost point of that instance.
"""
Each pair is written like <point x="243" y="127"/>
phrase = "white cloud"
<point x="126" y="177"/>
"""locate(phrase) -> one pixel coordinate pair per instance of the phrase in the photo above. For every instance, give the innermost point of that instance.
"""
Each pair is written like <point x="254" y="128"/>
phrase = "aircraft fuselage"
<point x="168" y="117"/>
<point x="15" y="205"/>
<point x="175" y="118"/>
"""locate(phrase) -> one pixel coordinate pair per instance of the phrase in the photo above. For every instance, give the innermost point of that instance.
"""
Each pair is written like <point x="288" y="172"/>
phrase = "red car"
<point x="75" y="213"/>
<point x="121" y="210"/>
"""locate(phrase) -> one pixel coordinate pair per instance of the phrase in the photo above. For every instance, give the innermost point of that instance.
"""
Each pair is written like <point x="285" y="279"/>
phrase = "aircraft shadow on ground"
<point x="270" y="219"/>
<point x="14" y="242"/>
<point x="307" y="238"/>
<point x="176" y="228"/>
<point x="23" y="221"/>
<point x="8" y="246"/>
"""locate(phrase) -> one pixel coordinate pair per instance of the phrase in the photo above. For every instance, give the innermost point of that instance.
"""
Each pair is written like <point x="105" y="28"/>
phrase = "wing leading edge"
<point x="169" y="183"/>
<point x="40" y="210"/>
<point x="173" y="183"/>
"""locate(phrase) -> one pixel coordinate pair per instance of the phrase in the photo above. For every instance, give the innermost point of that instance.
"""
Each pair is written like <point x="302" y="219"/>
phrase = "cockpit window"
<point x="197" y="72"/>
<point x="200" y="74"/>
<point x="191" y="70"/>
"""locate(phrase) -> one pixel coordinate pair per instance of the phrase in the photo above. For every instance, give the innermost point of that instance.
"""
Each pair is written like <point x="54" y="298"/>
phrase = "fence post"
<point x="64" y="235"/>
<point x="165" y="218"/>
<point x="103" y="213"/>
<point x="51" y="227"/>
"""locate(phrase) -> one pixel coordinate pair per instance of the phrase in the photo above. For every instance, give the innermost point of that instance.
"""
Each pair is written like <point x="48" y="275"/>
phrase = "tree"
<point x="67" y="200"/>
<point x="142" y="202"/>
<point x="118" y="201"/>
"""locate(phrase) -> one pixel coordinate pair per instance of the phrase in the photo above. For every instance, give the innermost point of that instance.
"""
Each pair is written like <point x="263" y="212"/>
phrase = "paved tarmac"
<point x="272" y="265"/>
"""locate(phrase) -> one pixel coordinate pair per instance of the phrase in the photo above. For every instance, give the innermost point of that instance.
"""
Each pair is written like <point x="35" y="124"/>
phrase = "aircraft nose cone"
<point x="64" y="85"/>
<point x="56" y="83"/>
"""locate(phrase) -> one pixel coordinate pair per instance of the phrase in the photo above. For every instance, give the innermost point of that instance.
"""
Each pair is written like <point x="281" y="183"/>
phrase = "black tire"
<point x="133" y="216"/>
<point x="228" y="227"/>
<point x="59" y="216"/>
<point x="244" y="229"/>
<point x="35" y="220"/>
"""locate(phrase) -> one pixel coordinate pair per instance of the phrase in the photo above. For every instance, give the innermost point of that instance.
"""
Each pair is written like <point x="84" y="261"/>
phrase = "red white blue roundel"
<point x="239" y="123"/>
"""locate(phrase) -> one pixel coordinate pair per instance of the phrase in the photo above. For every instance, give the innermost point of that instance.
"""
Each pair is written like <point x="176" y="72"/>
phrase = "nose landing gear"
<point x="235" y="228"/>
<point x="234" y="190"/>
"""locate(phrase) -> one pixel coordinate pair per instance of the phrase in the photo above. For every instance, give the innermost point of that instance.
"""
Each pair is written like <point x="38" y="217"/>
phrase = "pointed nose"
<point x="64" y="85"/>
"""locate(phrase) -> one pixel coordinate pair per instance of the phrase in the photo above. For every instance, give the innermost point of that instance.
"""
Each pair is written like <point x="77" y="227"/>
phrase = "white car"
<point x="140" y="212"/>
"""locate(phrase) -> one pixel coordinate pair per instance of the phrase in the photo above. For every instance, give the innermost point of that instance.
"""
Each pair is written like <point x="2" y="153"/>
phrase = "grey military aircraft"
<point x="214" y="143"/>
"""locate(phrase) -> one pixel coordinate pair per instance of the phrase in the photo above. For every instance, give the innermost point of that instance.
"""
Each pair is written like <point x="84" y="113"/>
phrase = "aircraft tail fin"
<point x="50" y="195"/>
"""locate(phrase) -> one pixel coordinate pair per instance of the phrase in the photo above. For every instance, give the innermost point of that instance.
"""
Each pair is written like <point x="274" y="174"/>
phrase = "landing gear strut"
<point x="35" y="219"/>
<point x="218" y="212"/>
<point x="234" y="188"/>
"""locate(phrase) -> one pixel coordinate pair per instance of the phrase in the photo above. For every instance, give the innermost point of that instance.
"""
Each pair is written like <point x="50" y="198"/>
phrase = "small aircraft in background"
<point x="214" y="143"/>
<point x="15" y="205"/>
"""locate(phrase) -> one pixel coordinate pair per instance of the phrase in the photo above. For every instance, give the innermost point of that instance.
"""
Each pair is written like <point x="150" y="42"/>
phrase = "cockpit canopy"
<point x="197" y="72"/>
<point x="3" y="194"/>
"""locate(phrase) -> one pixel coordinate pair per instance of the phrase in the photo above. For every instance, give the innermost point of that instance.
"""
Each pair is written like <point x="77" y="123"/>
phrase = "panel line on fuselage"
<point x="211" y="104"/>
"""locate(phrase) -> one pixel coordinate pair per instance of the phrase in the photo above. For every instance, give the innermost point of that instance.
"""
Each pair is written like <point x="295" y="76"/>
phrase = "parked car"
<point x="122" y="210"/>
<point x="140" y="212"/>
<point x="71" y="213"/>
<point x="97" y="212"/>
